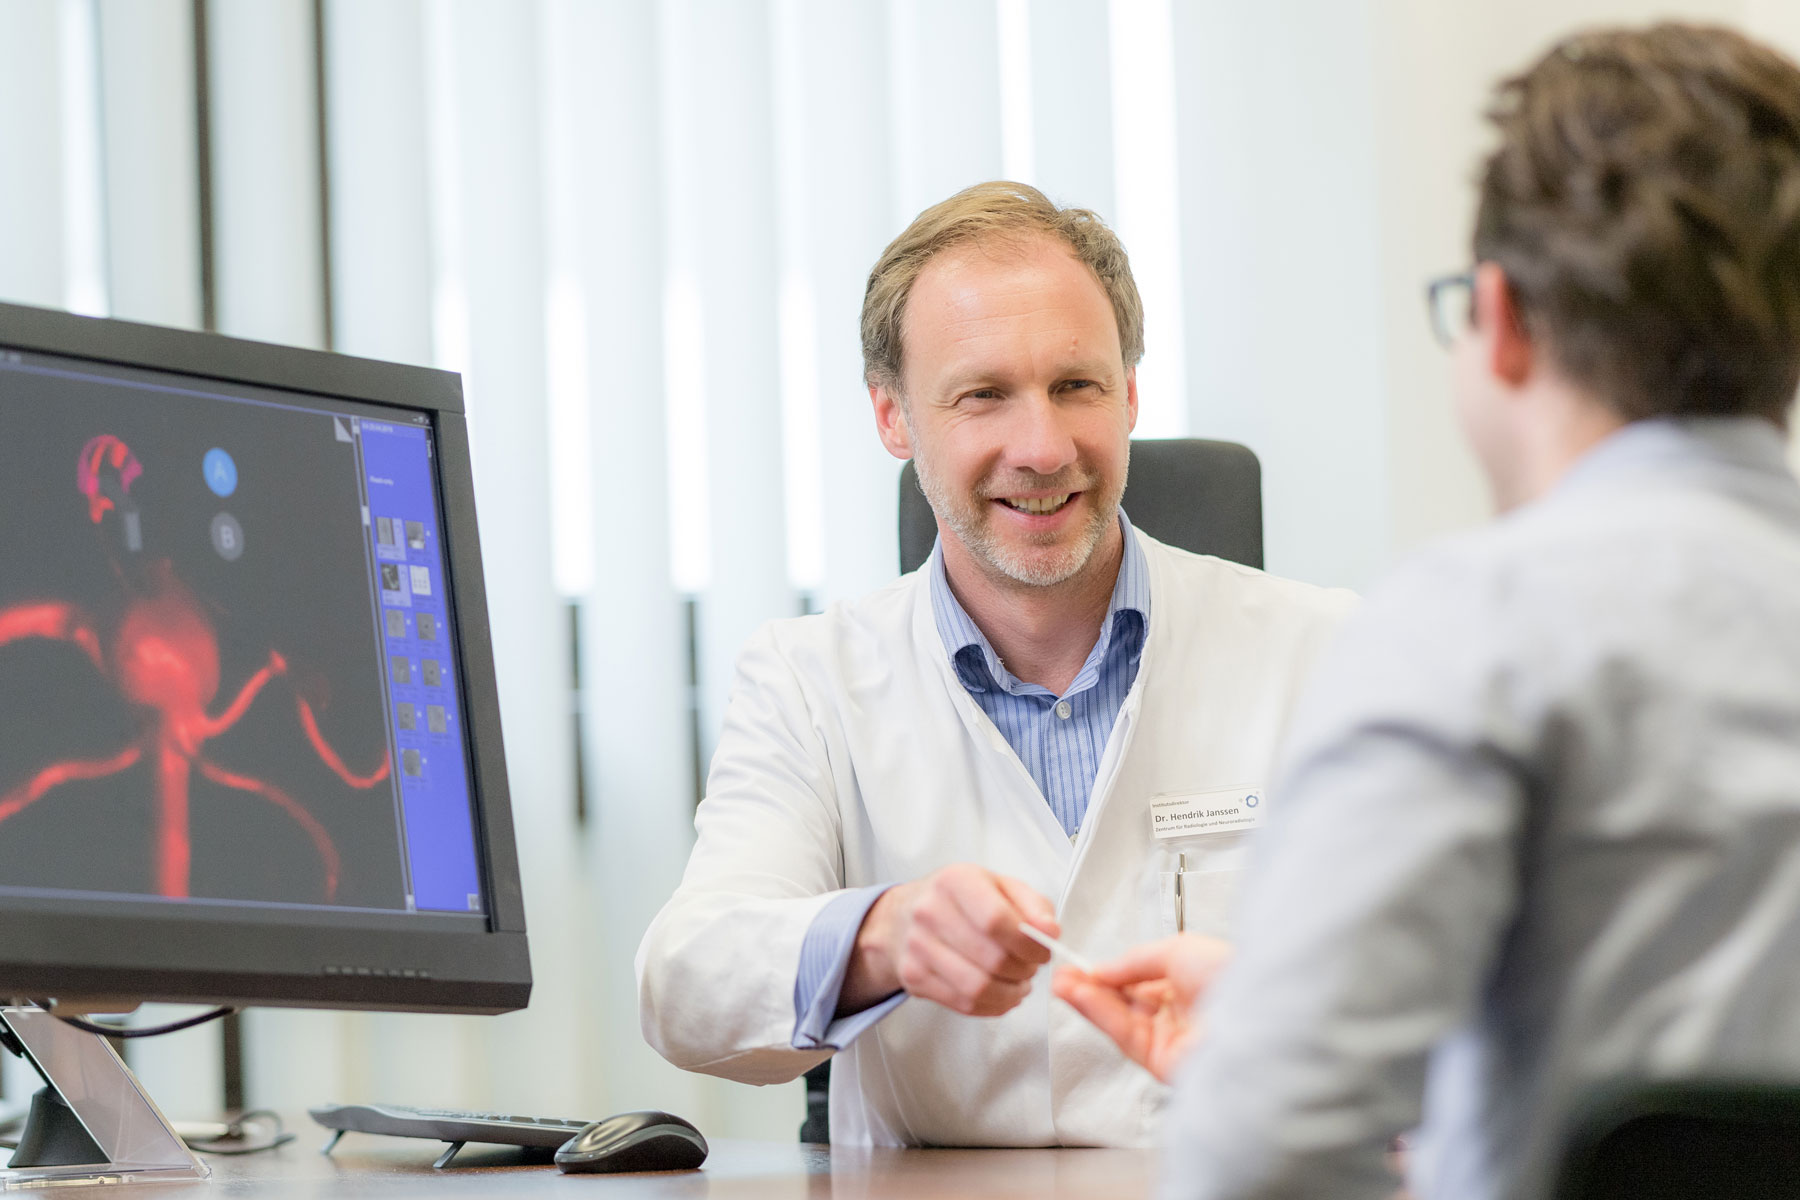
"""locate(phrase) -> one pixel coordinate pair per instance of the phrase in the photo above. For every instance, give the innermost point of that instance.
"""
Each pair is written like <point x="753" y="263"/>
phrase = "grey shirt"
<point x="1537" y="824"/>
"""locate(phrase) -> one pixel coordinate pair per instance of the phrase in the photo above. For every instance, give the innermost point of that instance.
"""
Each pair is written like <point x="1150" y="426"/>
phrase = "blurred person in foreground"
<point x="1538" y="822"/>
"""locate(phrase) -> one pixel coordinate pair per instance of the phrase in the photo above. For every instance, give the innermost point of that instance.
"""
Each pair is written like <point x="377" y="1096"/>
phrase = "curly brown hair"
<point x="996" y="211"/>
<point x="1644" y="203"/>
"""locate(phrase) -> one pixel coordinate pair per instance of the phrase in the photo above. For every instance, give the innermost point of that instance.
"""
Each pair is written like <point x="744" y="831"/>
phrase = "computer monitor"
<point x="249" y="733"/>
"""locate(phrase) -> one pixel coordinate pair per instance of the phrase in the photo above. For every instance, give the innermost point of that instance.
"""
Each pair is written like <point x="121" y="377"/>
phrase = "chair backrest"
<point x="1684" y="1140"/>
<point x="1199" y="495"/>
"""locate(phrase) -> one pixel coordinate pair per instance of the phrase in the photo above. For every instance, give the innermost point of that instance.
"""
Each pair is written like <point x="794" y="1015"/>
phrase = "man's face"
<point x="1018" y="407"/>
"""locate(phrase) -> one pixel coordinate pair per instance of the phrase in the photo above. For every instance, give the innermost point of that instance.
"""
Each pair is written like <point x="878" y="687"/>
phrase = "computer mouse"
<point x="634" y="1141"/>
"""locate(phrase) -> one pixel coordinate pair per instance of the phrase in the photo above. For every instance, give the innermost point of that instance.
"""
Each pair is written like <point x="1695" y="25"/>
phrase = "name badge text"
<point x="1228" y="810"/>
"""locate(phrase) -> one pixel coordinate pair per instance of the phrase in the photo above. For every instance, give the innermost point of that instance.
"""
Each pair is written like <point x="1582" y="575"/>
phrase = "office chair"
<point x="1199" y="495"/>
<point x="1683" y="1140"/>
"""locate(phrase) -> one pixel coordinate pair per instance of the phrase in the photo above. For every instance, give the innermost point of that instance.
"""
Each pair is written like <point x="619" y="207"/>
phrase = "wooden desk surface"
<point x="398" y="1169"/>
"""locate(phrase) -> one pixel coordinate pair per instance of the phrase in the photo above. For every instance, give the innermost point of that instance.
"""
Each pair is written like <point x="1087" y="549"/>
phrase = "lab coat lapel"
<point x="976" y="723"/>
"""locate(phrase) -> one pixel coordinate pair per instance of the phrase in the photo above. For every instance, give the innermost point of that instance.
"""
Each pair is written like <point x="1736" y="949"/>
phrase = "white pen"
<point x="1055" y="947"/>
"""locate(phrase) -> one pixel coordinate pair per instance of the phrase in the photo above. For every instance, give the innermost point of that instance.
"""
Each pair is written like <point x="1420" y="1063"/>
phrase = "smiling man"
<point x="1021" y="732"/>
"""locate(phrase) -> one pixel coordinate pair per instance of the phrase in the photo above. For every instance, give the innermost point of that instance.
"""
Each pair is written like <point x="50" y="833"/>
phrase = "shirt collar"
<point x="979" y="668"/>
<point x="1662" y="442"/>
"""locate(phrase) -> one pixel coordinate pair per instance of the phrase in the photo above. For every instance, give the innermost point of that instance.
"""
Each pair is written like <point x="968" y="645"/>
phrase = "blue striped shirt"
<point x="1059" y="740"/>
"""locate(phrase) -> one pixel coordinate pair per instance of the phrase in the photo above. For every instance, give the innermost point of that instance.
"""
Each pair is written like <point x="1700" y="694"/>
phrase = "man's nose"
<point x="1040" y="440"/>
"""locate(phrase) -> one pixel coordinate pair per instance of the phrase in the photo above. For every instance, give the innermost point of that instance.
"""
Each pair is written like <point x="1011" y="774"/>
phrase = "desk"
<point x="396" y="1169"/>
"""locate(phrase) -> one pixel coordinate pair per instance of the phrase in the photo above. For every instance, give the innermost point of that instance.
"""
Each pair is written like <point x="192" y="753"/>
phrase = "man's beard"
<point x="971" y="519"/>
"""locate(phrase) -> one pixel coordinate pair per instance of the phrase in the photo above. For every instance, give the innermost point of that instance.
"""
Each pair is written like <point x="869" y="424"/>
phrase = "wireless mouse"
<point x="634" y="1141"/>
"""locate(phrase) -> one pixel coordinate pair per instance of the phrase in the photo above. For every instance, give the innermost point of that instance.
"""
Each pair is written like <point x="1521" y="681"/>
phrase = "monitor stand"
<point x="92" y="1123"/>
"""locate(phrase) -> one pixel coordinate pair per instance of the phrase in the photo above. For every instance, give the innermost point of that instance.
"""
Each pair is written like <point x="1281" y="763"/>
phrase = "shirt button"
<point x="1063" y="710"/>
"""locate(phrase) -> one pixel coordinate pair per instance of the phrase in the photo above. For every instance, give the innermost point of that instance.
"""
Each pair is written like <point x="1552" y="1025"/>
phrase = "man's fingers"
<point x="1151" y="997"/>
<point x="965" y="941"/>
<point x="1029" y="904"/>
<point x="1153" y="960"/>
<point x="1129" y="968"/>
<point x="991" y="913"/>
<point x="986" y="953"/>
<point x="998" y="998"/>
<point x="1109" y="1012"/>
<point x="965" y="987"/>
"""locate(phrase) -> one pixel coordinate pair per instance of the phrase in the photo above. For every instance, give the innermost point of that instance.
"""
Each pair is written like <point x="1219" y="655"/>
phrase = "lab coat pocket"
<point x="1196" y="883"/>
<point x="1200" y="841"/>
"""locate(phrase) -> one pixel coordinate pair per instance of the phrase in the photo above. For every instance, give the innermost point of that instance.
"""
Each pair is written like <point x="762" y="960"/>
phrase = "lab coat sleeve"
<point x="1370" y="912"/>
<point x="717" y="967"/>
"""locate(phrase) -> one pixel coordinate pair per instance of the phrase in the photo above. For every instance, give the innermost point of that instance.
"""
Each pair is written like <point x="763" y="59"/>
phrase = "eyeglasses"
<point x="1451" y="301"/>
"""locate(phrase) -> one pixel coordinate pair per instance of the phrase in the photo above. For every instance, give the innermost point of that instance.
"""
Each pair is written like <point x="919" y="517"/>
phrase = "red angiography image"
<point x="163" y="658"/>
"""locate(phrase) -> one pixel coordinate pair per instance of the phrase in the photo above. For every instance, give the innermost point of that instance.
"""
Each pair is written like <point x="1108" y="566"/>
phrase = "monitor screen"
<point x="234" y="684"/>
<point x="226" y="660"/>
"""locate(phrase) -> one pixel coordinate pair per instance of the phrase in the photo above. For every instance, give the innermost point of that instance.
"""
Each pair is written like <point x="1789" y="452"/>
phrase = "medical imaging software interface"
<point x="228" y="669"/>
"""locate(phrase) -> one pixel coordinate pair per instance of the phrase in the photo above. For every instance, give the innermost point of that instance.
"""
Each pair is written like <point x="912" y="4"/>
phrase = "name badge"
<point x="1229" y="810"/>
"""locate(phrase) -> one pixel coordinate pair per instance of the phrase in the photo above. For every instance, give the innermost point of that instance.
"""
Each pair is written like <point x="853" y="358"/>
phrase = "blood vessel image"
<point x="163" y="657"/>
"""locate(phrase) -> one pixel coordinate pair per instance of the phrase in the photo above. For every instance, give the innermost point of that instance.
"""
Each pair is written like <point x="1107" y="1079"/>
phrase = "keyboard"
<point x="448" y="1125"/>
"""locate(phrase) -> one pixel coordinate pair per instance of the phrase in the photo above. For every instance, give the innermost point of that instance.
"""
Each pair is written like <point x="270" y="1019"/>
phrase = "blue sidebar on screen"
<point x="421" y="664"/>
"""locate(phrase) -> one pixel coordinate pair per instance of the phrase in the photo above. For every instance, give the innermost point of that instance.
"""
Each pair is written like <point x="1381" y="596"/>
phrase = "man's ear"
<point x="1501" y="326"/>
<point x="1131" y="398"/>
<point x="890" y="421"/>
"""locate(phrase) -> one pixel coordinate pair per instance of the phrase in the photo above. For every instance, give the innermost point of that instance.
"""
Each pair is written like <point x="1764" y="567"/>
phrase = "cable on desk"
<point x="238" y="1136"/>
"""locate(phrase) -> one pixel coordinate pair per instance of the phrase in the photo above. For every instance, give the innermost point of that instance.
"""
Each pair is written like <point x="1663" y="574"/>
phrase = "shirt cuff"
<point x="824" y="959"/>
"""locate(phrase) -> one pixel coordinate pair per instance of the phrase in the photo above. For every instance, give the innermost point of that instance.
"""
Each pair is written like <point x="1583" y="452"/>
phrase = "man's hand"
<point x="1144" y="999"/>
<point x="953" y="938"/>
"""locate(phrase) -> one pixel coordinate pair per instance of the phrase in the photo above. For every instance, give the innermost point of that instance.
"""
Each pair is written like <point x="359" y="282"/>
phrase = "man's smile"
<point x="1038" y="505"/>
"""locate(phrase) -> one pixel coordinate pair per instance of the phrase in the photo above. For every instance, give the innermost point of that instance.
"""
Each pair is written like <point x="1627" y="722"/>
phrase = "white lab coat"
<point x="851" y="755"/>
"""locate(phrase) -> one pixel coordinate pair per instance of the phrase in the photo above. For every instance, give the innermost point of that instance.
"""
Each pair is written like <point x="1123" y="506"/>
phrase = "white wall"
<point x="1280" y="255"/>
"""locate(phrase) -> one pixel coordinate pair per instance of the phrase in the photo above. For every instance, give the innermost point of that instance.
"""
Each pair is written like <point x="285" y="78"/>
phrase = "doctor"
<point x="1035" y="727"/>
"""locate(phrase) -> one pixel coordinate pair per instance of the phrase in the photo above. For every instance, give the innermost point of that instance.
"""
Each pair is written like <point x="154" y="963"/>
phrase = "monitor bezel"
<point x="157" y="956"/>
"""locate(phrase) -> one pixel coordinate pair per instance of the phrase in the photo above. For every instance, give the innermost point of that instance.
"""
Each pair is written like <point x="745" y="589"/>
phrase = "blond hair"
<point x="1000" y="210"/>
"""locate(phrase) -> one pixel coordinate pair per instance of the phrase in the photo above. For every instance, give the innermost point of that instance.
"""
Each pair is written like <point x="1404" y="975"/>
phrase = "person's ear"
<point x="1131" y="398"/>
<point x="1501" y="326"/>
<point x="890" y="421"/>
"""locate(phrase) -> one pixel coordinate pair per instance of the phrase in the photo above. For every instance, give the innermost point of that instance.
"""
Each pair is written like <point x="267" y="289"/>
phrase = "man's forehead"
<point x="984" y="296"/>
<point x="996" y="256"/>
